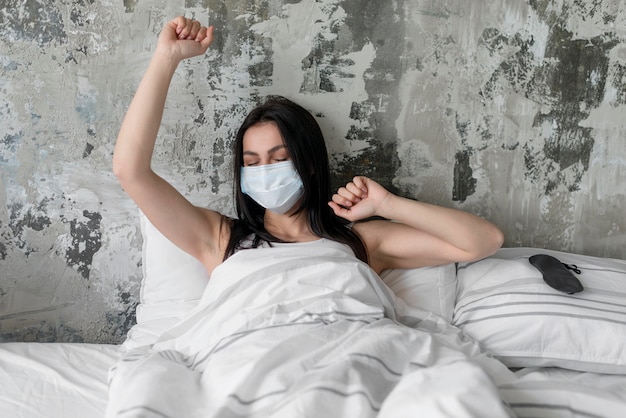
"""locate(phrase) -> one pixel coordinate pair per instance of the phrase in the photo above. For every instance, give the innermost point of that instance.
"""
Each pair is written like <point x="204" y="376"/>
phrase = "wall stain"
<point x="86" y="241"/>
<point x="118" y="323"/>
<point x="10" y="143"/>
<point x="32" y="21"/>
<point x="261" y="72"/>
<point x="618" y="82"/>
<point x="381" y="23"/>
<point x="88" y="148"/>
<point x="368" y="162"/>
<point x="464" y="184"/>
<point x="569" y="82"/>
<point x="129" y="5"/>
<point x="201" y="118"/>
<point x="324" y="62"/>
<point x="517" y="70"/>
<point x="77" y="15"/>
<point x="43" y="332"/>
<point x="34" y="218"/>
<point x="49" y="308"/>
<point x="577" y="80"/>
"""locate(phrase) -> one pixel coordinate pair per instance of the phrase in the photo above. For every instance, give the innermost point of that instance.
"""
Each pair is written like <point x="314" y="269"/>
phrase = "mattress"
<point x="70" y="380"/>
<point x="55" y="379"/>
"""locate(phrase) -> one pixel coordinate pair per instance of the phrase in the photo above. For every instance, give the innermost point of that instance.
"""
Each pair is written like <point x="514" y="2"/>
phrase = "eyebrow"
<point x="270" y="151"/>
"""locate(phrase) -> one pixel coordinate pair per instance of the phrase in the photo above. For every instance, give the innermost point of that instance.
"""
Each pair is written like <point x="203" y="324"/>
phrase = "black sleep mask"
<point x="556" y="274"/>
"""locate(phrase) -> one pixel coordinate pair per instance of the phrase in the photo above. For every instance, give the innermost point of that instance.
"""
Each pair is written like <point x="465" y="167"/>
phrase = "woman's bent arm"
<point x="424" y="234"/>
<point x="196" y="230"/>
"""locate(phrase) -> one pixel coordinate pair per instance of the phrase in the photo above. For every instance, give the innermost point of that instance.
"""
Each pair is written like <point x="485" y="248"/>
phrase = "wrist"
<point x="166" y="59"/>
<point x="386" y="207"/>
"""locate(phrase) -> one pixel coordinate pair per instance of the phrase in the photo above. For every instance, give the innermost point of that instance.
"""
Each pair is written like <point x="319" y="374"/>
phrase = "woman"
<point x="280" y="144"/>
<point x="300" y="326"/>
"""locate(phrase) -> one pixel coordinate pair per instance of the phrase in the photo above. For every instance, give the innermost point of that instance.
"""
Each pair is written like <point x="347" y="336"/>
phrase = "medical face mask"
<point x="276" y="187"/>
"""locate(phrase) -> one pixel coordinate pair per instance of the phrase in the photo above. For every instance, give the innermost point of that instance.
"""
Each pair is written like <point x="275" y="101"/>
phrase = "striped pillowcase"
<point x="504" y="304"/>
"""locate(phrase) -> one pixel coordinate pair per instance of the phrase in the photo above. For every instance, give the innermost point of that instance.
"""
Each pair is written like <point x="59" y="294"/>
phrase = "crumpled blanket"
<point x="306" y="330"/>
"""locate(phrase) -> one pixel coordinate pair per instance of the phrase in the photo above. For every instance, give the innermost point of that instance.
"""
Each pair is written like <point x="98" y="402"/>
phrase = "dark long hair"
<point x="304" y="141"/>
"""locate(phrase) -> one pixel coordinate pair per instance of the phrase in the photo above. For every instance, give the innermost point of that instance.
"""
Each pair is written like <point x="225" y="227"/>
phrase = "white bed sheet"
<point x="306" y="330"/>
<point x="55" y="380"/>
<point x="69" y="380"/>
<point x="560" y="393"/>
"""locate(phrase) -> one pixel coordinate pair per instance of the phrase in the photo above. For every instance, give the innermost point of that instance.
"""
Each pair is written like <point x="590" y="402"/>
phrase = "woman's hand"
<point x="184" y="38"/>
<point x="359" y="199"/>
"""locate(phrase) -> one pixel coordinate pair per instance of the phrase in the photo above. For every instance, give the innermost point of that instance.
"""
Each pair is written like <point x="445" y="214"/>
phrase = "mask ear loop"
<point x="572" y="267"/>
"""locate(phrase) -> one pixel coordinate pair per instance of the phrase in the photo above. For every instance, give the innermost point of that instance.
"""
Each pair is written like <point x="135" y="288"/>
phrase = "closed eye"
<point x="277" y="154"/>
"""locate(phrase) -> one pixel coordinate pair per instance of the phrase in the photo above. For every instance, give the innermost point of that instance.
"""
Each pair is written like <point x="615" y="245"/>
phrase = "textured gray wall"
<point x="513" y="110"/>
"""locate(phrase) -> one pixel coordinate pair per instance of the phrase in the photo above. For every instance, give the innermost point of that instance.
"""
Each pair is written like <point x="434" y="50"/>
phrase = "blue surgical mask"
<point x="276" y="187"/>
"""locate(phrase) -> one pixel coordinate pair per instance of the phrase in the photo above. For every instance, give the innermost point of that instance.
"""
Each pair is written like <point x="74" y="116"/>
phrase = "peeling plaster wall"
<point x="513" y="110"/>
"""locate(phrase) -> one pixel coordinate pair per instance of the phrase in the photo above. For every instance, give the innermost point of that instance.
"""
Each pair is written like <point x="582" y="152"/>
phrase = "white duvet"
<point x="306" y="330"/>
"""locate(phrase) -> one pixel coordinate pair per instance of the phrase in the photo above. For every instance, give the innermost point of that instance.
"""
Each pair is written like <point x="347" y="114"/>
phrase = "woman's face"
<point x="263" y="144"/>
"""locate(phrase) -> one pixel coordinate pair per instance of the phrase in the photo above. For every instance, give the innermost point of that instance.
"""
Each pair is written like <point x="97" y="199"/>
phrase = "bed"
<point x="482" y="339"/>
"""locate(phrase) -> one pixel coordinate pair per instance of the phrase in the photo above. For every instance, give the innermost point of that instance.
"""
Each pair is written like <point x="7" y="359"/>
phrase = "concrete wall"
<point x="513" y="110"/>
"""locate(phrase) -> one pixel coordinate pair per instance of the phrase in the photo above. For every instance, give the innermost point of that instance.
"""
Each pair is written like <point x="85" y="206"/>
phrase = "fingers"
<point x="351" y="194"/>
<point x="336" y="208"/>
<point x="341" y="211"/>
<point x="352" y="202"/>
<point x="189" y="29"/>
<point x="208" y="37"/>
<point x="345" y="198"/>
<point x="360" y="182"/>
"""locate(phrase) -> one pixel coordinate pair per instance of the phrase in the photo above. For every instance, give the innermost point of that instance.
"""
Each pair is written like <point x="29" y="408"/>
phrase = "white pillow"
<point x="172" y="285"/>
<point x="504" y="304"/>
<point x="431" y="289"/>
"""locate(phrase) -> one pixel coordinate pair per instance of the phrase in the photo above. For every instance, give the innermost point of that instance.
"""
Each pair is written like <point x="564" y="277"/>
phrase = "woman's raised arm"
<point x="197" y="231"/>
